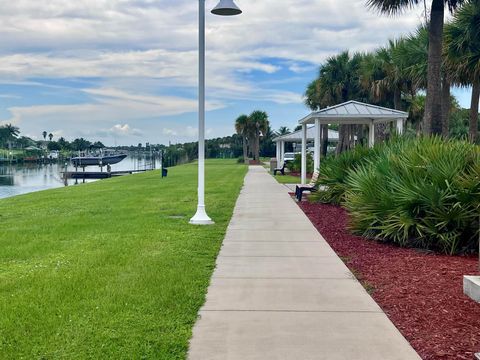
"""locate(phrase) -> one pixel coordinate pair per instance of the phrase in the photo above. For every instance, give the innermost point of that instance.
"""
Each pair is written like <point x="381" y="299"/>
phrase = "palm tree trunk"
<point x="257" y="146"/>
<point x="324" y="144"/>
<point x="473" y="128"/>
<point x="245" y="150"/>
<point x="446" y="104"/>
<point x="397" y="99"/>
<point x="433" y="102"/>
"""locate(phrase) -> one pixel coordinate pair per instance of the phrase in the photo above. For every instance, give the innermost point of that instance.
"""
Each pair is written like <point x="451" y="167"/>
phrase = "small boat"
<point x="97" y="160"/>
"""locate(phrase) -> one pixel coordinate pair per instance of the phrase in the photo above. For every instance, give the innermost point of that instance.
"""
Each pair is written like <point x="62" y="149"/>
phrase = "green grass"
<point x="289" y="179"/>
<point x="111" y="269"/>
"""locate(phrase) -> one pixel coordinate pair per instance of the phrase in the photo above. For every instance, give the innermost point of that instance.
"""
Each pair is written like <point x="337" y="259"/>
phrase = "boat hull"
<point x="97" y="160"/>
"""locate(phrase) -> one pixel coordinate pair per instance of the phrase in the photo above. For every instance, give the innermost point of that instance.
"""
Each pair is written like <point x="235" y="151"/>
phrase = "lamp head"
<point x="226" y="8"/>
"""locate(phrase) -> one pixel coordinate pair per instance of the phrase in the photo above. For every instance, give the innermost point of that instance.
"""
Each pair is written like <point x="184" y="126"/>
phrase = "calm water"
<point x="26" y="178"/>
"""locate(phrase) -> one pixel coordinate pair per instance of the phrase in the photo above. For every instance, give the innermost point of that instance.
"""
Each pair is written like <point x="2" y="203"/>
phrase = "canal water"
<point x="19" y="179"/>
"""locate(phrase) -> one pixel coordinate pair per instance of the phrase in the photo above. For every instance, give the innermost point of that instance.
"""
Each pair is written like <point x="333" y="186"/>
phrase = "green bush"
<point x="414" y="192"/>
<point x="334" y="171"/>
<point x="296" y="164"/>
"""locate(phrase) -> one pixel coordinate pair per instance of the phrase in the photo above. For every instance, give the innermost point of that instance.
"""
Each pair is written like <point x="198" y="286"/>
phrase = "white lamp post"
<point x="224" y="8"/>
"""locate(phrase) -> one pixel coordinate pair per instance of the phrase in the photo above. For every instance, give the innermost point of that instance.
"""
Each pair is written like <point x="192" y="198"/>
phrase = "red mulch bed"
<point x="422" y="293"/>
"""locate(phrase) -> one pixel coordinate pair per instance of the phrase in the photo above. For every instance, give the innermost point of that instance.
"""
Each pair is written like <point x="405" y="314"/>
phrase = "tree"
<point x="462" y="38"/>
<point x="283" y="130"/>
<point x="260" y="125"/>
<point x="54" y="146"/>
<point x="50" y="136"/>
<point x="433" y="106"/>
<point x="44" y="133"/>
<point x="80" y="144"/>
<point x="64" y="144"/>
<point x="242" y="127"/>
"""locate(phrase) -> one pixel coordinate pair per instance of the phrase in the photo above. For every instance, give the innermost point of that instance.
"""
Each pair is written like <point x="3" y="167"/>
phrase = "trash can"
<point x="164" y="172"/>
<point x="273" y="164"/>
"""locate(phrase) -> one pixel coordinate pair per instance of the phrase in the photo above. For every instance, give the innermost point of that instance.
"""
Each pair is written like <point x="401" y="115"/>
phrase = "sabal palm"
<point x="242" y="128"/>
<point x="283" y="130"/>
<point x="433" y="108"/>
<point x="382" y="75"/>
<point x="462" y="38"/>
<point x="260" y="125"/>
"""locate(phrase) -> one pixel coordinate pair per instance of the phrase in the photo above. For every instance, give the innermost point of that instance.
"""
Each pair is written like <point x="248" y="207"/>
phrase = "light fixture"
<point x="226" y="8"/>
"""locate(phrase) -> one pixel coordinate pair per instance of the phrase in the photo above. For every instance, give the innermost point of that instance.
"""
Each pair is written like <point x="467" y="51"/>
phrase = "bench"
<point x="282" y="169"/>
<point x="312" y="186"/>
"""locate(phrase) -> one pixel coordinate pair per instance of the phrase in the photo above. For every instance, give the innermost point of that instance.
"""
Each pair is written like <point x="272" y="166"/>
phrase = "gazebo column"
<point x="282" y="152"/>
<point x="304" y="154"/>
<point x="371" y="134"/>
<point x="400" y="126"/>
<point x="318" y="135"/>
<point x="277" y="148"/>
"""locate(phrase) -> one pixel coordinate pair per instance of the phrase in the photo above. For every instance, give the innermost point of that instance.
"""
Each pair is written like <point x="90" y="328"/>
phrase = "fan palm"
<point x="433" y="107"/>
<point x="241" y="127"/>
<point x="462" y="38"/>
<point x="260" y="125"/>
<point x="283" y="130"/>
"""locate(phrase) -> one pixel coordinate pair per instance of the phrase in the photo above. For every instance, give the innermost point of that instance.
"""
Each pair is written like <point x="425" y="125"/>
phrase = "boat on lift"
<point x="101" y="160"/>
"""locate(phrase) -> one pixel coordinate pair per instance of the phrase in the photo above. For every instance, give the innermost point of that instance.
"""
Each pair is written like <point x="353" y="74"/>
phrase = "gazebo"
<point x="296" y="136"/>
<point x="348" y="113"/>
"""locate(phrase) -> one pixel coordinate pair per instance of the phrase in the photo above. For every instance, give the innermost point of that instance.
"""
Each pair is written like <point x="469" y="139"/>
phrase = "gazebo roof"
<point x="297" y="135"/>
<point x="354" y="112"/>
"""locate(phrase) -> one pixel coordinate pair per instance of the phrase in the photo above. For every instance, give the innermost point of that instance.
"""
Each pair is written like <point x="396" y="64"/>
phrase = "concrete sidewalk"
<point x="280" y="292"/>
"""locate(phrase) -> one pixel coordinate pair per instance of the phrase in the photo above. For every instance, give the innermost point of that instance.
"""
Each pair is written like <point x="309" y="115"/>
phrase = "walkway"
<point x="280" y="292"/>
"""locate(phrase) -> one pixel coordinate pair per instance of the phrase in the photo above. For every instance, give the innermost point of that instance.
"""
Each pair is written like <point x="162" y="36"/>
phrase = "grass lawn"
<point x="289" y="179"/>
<point x="111" y="269"/>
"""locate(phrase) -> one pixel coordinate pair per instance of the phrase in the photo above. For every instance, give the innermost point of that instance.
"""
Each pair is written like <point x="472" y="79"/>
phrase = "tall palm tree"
<point x="462" y="37"/>
<point x="50" y="136"/>
<point x="383" y="76"/>
<point x="283" y="130"/>
<point x="44" y="133"/>
<point x="433" y="107"/>
<point x="242" y="128"/>
<point x="339" y="82"/>
<point x="260" y="124"/>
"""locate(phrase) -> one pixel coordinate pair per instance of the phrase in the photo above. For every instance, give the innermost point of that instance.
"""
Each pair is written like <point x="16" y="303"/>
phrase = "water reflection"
<point x="18" y="179"/>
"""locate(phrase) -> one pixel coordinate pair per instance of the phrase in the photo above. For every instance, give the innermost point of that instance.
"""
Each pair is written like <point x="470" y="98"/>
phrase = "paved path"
<point x="280" y="292"/>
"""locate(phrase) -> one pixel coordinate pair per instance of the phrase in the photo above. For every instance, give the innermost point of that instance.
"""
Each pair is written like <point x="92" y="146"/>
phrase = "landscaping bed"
<point x="421" y="292"/>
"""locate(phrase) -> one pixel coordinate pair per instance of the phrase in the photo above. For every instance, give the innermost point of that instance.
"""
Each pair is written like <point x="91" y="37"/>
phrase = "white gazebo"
<point x="348" y="113"/>
<point x="296" y="137"/>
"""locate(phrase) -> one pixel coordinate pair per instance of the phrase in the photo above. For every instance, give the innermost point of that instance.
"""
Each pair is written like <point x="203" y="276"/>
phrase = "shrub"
<point x="415" y="192"/>
<point x="296" y="164"/>
<point x="334" y="171"/>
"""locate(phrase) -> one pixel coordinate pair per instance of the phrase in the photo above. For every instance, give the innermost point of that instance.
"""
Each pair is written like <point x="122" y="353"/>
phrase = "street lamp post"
<point x="224" y="8"/>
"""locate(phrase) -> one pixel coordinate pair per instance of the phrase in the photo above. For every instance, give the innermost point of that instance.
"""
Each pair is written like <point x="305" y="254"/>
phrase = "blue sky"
<point x="125" y="71"/>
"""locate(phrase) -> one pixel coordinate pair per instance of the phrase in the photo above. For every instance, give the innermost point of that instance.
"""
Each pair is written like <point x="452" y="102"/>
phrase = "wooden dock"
<point x="90" y="175"/>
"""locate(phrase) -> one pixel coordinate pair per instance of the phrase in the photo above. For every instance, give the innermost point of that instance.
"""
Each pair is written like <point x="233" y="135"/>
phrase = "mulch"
<point x="421" y="292"/>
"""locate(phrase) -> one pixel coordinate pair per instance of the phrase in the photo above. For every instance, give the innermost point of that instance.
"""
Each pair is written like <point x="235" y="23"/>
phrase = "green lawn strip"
<point x="110" y="269"/>
<point x="288" y="179"/>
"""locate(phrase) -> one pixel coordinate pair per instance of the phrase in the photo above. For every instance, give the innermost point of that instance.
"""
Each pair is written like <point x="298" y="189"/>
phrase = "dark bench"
<point x="282" y="169"/>
<point x="312" y="187"/>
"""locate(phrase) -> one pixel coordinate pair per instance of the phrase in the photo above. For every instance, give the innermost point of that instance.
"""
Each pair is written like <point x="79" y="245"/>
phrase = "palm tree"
<point x="44" y="133"/>
<point x="433" y="107"/>
<point x="242" y="128"/>
<point x="339" y="82"/>
<point x="50" y="136"/>
<point x="283" y="130"/>
<point x="382" y="75"/>
<point x="260" y="124"/>
<point x="462" y="38"/>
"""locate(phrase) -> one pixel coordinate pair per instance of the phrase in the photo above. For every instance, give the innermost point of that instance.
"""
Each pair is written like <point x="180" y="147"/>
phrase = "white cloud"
<point x="169" y="132"/>
<point x="125" y="130"/>
<point x="141" y="51"/>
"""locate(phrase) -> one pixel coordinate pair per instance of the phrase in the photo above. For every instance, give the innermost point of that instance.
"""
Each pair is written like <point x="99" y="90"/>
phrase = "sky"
<point x="126" y="71"/>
